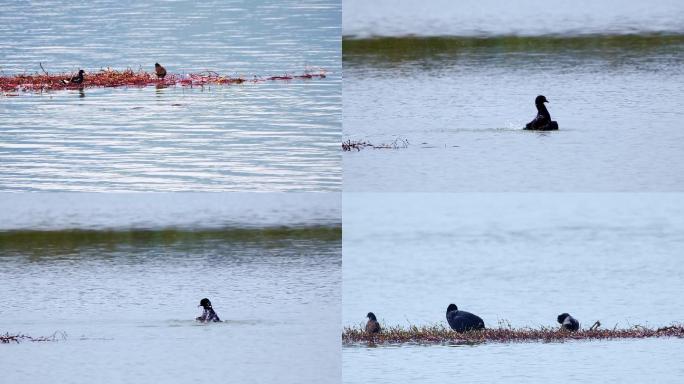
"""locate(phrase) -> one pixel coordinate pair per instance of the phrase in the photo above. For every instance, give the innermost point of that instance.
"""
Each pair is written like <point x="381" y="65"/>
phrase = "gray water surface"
<point x="460" y="92"/>
<point x="273" y="136"/>
<point x="521" y="259"/>
<point x="125" y="295"/>
<point x="158" y="211"/>
<point x="522" y="17"/>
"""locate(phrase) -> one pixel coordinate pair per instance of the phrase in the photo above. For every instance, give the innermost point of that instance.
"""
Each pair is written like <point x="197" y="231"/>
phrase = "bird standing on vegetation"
<point x="543" y="120"/>
<point x="568" y="322"/>
<point x="160" y="71"/>
<point x="461" y="321"/>
<point x="208" y="315"/>
<point x="78" y="79"/>
<point x="372" y="326"/>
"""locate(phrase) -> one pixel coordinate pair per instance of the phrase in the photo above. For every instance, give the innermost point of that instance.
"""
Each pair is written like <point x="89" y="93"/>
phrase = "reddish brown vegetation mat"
<point x="129" y="78"/>
<point x="442" y="335"/>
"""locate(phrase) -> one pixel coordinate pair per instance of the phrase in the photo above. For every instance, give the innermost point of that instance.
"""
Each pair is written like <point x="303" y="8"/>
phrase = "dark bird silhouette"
<point x="208" y="315"/>
<point x="461" y="321"/>
<point x="595" y="326"/>
<point x="78" y="79"/>
<point x="543" y="120"/>
<point x="568" y="322"/>
<point x="160" y="71"/>
<point x="372" y="326"/>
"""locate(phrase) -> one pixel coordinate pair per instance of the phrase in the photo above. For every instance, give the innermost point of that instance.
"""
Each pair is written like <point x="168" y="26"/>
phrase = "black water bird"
<point x="568" y="322"/>
<point x="78" y="79"/>
<point x="372" y="326"/>
<point x="160" y="71"/>
<point x="461" y="321"/>
<point x="208" y="315"/>
<point x="543" y="120"/>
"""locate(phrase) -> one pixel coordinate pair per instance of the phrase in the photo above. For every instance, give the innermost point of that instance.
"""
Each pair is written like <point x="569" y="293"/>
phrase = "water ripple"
<point x="267" y="137"/>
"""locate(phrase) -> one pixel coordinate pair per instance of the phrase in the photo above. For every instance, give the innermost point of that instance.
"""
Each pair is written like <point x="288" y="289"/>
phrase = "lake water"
<point x="459" y="81"/>
<point x="522" y="258"/>
<point x="273" y="136"/>
<point x="126" y="293"/>
<point x="482" y="17"/>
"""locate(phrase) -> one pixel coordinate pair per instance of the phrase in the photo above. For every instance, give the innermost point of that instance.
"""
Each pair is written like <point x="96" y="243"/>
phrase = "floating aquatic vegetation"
<point x="439" y="334"/>
<point x="7" y="338"/>
<point x="358" y="145"/>
<point x="128" y="78"/>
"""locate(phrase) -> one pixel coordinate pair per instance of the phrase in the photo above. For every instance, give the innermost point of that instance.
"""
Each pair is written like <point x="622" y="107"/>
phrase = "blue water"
<point x="123" y="288"/>
<point x="158" y="211"/>
<point x="521" y="259"/>
<point x="522" y="17"/>
<point x="280" y="136"/>
<point x="458" y="83"/>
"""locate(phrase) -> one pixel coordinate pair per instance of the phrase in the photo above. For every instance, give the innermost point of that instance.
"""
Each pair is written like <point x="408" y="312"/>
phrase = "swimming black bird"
<point x="543" y="120"/>
<point x="568" y="322"/>
<point x="372" y="326"/>
<point x="78" y="79"/>
<point x="160" y="71"/>
<point x="461" y="321"/>
<point x="208" y="315"/>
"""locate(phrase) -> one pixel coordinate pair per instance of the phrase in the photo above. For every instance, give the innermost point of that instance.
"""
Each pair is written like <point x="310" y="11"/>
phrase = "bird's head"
<point x="541" y="99"/>
<point x="371" y="316"/>
<point x="205" y="303"/>
<point x="562" y="317"/>
<point x="452" y="307"/>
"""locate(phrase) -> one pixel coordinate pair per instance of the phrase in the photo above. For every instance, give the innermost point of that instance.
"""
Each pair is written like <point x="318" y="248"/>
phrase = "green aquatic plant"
<point x="439" y="334"/>
<point x="53" y="243"/>
<point x="411" y="48"/>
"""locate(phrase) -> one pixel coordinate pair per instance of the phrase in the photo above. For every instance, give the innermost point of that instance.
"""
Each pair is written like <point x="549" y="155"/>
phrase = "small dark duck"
<point x="568" y="322"/>
<point x="543" y="120"/>
<point x="78" y="79"/>
<point x="208" y="315"/>
<point x="160" y="71"/>
<point x="462" y="321"/>
<point x="372" y="326"/>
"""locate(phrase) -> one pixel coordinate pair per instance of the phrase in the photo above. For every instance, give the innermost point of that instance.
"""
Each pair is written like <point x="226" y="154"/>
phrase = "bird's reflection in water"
<point x="81" y="93"/>
<point x="160" y="89"/>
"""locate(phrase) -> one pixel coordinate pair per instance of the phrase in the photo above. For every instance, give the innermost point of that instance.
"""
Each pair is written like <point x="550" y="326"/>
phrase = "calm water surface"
<point x="126" y="294"/>
<point x="459" y="82"/>
<point x="477" y="17"/>
<point x="280" y="136"/>
<point x="522" y="258"/>
<point x="159" y="211"/>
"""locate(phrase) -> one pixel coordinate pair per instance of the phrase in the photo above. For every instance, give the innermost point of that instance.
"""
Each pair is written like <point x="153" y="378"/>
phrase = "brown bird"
<point x="78" y="79"/>
<point x="160" y="71"/>
<point x="372" y="326"/>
